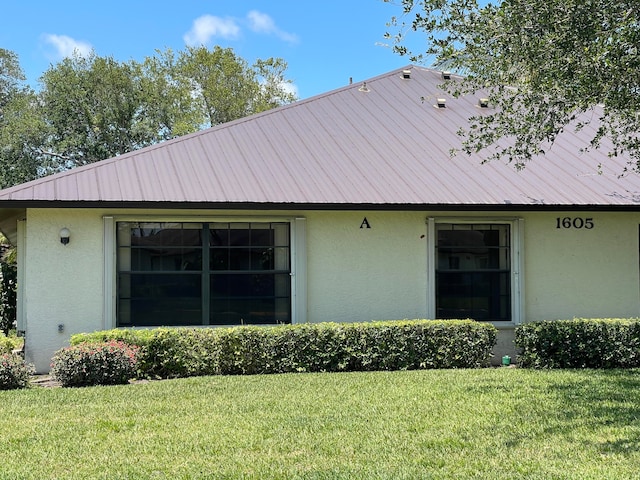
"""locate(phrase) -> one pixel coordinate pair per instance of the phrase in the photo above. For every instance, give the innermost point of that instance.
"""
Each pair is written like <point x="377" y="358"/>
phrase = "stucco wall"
<point x="579" y="272"/>
<point x="63" y="283"/>
<point x="360" y="274"/>
<point x="353" y="273"/>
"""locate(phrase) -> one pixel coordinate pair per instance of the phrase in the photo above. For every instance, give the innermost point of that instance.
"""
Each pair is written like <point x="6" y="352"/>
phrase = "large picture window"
<point x="227" y="273"/>
<point x="473" y="275"/>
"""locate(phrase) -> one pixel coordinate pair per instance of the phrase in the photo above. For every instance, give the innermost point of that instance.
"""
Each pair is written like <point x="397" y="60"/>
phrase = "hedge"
<point x="580" y="343"/>
<point x="318" y="347"/>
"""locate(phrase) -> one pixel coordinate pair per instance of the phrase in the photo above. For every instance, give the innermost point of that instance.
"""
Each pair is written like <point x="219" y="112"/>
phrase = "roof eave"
<point x="11" y="208"/>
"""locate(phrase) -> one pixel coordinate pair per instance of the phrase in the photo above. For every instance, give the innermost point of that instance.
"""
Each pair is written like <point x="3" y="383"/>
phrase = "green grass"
<point x="442" y="424"/>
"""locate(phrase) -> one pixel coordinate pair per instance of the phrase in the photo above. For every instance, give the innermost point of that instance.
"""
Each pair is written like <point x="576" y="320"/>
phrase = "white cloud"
<point x="208" y="26"/>
<point x="290" y="88"/>
<point x="262" y="23"/>
<point x="65" y="46"/>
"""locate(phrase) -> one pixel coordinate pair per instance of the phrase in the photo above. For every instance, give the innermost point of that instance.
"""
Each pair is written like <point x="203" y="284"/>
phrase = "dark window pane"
<point x="242" y="285"/>
<point x="241" y="263"/>
<point x="262" y="259"/>
<point x="262" y="237"/>
<point x="479" y="295"/>
<point x="219" y="236"/>
<point x="239" y="235"/>
<point x="167" y="259"/>
<point x="165" y="235"/>
<point x="219" y="259"/>
<point x="161" y="299"/>
<point x="239" y="259"/>
<point x="473" y="278"/>
<point x="249" y="311"/>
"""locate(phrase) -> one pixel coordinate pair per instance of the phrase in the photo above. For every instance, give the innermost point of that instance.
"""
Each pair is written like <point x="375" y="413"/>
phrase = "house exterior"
<point x="344" y="207"/>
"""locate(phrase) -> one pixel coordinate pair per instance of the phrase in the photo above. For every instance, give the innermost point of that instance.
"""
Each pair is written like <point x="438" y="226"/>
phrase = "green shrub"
<point x="14" y="372"/>
<point x="138" y="337"/>
<point x="8" y="283"/>
<point x="106" y="363"/>
<point x="580" y="343"/>
<point x="182" y="352"/>
<point x="7" y="344"/>
<point x="320" y="347"/>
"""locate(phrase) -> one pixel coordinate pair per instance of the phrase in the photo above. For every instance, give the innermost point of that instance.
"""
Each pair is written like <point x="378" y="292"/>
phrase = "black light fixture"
<point x="64" y="235"/>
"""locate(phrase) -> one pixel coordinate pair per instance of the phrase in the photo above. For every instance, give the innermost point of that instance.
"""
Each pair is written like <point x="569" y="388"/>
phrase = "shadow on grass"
<point x="604" y="402"/>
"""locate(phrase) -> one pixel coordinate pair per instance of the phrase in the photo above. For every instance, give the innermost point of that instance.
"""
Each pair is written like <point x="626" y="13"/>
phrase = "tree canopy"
<point x="545" y="66"/>
<point x="90" y="108"/>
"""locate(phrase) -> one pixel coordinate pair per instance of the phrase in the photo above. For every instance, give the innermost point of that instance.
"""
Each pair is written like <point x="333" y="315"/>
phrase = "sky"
<point x="324" y="42"/>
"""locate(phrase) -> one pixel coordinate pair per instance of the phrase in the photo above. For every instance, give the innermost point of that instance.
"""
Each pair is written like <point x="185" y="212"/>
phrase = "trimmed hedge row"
<point x="579" y="343"/>
<point x="321" y="347"/>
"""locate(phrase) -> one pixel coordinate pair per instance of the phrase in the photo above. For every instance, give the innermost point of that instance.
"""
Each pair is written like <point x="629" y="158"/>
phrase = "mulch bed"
<point x="44" y="381"/>
<point x="47" y="381"/>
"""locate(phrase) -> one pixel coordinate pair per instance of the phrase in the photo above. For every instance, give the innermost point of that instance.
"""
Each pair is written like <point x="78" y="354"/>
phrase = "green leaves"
<point x="565" y="60"/>
<point x="14" y="372"/>
<point x="580" y="343"/>
<point x="321" y="347"/>
<point x="227" y="88"/>
<point x="92" y="108"/>
<point x="87" y="364"/>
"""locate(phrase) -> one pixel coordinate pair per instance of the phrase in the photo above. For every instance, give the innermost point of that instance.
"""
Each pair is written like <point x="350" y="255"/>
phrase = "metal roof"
<point x="347" y="148"/>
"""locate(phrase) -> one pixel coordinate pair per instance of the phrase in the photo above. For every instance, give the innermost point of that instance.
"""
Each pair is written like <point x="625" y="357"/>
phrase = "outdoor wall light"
<point x="64" y="236"/>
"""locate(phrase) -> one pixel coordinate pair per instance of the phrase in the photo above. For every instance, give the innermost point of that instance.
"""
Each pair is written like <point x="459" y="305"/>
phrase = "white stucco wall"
<point x="63" y="284"/>
<point x="581" y="272"/>
<point x="352" y="273"/>
<point x="360" y="274"/>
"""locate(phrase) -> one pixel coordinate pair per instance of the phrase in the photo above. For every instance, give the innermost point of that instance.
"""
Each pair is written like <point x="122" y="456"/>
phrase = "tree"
<point x="228" y="88"/>
<point x="20" y="128"/>
<point x="10" y="76"/>
<point x="8" y="278"/>
<point x="96" y="108"/>
<point x="22" y="132"/>
<point x="545" y="66"/>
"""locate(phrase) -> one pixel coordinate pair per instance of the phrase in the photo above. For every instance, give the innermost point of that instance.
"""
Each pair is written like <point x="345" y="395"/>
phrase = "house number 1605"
<point x="575" y="222"/>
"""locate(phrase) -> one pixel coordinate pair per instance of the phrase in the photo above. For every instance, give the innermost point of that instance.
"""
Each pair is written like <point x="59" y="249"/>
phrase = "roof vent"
<point x="483" y="103"/>
<point x="406" y="74"/>
<point x="364" y="88"/>
<point x="446" y="75"/>
<point x="441" y="103"/>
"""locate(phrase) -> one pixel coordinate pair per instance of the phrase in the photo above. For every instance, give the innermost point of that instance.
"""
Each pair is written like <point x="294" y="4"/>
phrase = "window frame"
<point x="516" y="260"/>
<point x="297" y="252"/>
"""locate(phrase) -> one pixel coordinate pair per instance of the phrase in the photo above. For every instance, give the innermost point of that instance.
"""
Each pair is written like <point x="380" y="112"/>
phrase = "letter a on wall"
<point x="365" y="223"/>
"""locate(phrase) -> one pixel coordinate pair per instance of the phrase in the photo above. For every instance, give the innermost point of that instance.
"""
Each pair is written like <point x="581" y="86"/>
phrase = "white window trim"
<point x="298" y="245"/>
<point x="517" y="262"/>
<point x="109" y="271"/>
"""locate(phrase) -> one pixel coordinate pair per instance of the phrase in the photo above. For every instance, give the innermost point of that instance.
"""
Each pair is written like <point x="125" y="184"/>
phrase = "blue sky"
<point x="324" y="42"/>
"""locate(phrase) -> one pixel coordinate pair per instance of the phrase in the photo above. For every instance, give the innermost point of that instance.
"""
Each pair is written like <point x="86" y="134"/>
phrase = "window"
<point x="189" y="273"/>
<point x="473" y="271"/>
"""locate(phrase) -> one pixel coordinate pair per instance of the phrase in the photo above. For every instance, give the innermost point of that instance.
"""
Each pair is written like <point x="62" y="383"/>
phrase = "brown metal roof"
<point x="346" y="148"/>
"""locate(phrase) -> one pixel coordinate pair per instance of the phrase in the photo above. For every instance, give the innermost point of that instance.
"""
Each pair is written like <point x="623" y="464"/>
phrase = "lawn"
<point x="502" y="423"/>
